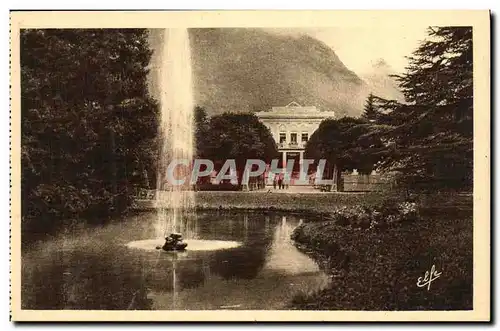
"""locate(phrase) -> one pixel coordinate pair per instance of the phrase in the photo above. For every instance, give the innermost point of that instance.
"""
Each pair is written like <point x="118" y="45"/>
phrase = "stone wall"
<point x="357" y="182"/>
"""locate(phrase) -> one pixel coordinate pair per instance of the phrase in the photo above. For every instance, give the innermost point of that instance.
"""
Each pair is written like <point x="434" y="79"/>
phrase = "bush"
<point x="89" y="125"/>
<point x="386" y="214"/>
<point x="378" y="270"/>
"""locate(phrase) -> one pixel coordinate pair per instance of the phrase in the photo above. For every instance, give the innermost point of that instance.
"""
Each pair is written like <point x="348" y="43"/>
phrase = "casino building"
<point x="291" y="127"/>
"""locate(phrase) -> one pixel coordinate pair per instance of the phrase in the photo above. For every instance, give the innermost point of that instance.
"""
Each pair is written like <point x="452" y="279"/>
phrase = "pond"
<point x="253" y="265"/>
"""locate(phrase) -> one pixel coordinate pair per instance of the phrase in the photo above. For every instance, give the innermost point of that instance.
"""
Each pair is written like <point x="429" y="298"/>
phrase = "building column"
<point x="284" y="159"/>
<point x="301" y="162"/>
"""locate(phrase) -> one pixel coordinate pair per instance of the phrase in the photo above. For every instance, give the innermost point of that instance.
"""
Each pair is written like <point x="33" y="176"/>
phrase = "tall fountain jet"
<point x="174" y="89"/>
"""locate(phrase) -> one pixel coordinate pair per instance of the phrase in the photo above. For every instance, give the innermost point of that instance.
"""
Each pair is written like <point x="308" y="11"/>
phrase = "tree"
<point x="88" y="123"/>
<point x="370" y="111"/>
<point x="430" y="138"/>
<point x="345" y="145"/>
<point x="239" y="137"/>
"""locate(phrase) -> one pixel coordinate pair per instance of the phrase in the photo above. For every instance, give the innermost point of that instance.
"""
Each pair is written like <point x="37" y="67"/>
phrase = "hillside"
<point x="252" y="70"/>
<point x="381" y="83"/>
<point x="242" y="70"/>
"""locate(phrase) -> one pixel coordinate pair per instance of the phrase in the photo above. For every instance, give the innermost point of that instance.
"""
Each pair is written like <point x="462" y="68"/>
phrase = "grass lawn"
<point x="317" y="203"/>
<point x="296" y="202"/>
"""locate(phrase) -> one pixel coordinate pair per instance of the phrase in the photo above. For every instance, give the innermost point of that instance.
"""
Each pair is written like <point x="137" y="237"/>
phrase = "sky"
<point x="359" y="48"/>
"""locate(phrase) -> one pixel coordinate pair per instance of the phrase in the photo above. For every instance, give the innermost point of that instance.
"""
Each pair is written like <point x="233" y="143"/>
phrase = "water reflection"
<point x="284" y="257"/>
<point x="94" y="269"/>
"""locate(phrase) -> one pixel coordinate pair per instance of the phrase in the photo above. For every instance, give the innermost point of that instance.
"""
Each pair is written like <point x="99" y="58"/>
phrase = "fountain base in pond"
<point x="193" y="244"/>
<point x="173" y="242"/>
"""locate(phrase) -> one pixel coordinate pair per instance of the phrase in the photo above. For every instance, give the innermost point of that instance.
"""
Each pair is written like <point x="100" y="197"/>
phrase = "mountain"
<point x="380" y="83"/>
<point x="248" y="70"/>
<point x="241" y="70"/>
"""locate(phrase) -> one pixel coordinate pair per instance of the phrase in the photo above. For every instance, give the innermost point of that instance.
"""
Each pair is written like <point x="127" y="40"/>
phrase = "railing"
<point x="360" y="183"/>
<point x="145" y="194"/>
<point x="291" y="145"/>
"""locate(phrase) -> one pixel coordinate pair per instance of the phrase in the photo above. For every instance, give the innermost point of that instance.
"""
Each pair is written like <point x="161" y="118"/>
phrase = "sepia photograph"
<point x="262" y="166"/>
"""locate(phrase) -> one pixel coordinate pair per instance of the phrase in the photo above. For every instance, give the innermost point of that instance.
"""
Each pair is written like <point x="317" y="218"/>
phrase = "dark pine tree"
<point x="430" y="139"/>
<point x="370" y="111"/>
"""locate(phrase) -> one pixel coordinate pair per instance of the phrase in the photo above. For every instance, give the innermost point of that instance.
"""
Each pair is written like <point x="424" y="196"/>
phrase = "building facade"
<point x="291" y="127"/>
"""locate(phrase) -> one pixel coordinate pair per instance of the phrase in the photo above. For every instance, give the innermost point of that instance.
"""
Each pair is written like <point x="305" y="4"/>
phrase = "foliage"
<point x="345" y="143"/>
<point x="88" y="123"/>
<point x="386" y="214"/>
<point x="429" y="139"/>
<point x="377" y="267"/>
<point x="239" y="137"/>
<point x="370" y="109"/>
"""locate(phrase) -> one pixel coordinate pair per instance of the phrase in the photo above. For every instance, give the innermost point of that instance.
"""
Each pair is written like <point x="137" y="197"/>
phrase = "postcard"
<point x="250" y="166"/>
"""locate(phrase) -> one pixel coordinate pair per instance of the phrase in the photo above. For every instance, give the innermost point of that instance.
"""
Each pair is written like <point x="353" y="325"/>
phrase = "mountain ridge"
<point x="250" y="69"/>
<point x="253" y="70"/>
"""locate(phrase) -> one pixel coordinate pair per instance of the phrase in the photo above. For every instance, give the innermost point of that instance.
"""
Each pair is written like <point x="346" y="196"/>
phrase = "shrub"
<point x="89" y="124"/>
<point x="378" y="270"/>
<point x="385" y="214"/>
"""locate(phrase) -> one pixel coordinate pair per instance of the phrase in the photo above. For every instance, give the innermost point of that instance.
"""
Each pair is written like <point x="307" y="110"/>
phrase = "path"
<point x="293" y="189"/>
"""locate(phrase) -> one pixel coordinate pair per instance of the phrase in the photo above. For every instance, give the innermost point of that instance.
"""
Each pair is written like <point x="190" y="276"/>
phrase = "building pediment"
<point x="295" y="110"/>
<point x="293" y="104"/>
